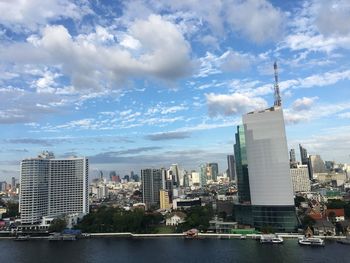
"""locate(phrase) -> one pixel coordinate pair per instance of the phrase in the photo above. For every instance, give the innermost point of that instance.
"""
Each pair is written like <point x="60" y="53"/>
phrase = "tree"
<point x="332" y="217"/>
<point x="12" y="210"/>
<point x="308" y="221"/>
<point x="58" y="225"/>
<point x="298" y="200"/>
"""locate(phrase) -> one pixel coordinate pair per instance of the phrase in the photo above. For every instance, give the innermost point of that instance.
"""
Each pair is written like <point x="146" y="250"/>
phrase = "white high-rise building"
<point x="267" y="155"/>
<point x="52" y="187"/>
<point x="300" y="178"/>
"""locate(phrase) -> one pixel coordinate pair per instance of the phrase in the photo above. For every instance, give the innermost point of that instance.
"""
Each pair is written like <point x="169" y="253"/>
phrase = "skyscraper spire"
<point x="277" y="95"/>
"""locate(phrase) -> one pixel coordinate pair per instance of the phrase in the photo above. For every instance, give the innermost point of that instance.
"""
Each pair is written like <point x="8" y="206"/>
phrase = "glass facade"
<point x="277" y="218"/>
<point x="241" y="166"/>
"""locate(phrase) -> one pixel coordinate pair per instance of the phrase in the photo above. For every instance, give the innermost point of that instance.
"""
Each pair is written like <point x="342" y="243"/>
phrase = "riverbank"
<point x="182" y="235"/>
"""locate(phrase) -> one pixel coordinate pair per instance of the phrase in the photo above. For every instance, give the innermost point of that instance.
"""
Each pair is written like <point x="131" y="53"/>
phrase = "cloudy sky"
<point x="135" y="84"/>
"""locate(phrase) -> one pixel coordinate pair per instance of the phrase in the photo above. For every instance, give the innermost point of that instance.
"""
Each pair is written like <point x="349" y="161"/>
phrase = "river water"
<point x="168" y="250"/>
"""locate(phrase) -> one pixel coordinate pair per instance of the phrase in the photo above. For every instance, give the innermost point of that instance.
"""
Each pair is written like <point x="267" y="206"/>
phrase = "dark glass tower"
<point x="242" y="166"/>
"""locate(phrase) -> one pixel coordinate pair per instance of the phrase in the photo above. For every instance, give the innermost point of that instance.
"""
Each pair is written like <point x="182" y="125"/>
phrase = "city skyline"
<point x="144" y="84"/>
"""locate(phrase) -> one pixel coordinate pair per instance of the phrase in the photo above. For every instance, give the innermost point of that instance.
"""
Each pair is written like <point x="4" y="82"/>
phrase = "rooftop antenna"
<point x="276" y="87"/>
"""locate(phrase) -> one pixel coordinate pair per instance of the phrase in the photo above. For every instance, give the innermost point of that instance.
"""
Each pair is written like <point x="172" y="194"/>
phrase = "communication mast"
<point x="276" y="87"/>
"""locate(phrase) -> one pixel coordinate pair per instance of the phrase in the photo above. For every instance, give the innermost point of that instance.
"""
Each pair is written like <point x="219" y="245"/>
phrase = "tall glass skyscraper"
<point x="242" y="166"/>
<point x="270" y="182"/>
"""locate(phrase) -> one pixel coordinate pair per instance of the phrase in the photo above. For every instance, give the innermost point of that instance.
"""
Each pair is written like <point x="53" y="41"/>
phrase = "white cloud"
<point x="303" y="103"/>
<point x="318" y="111"/>
<point x="92" y="64"/>
<point x="31" y="13"/>
<point x="222" y="104"/>
<point x="258" y="20"/>
<point x="331" y="16"/>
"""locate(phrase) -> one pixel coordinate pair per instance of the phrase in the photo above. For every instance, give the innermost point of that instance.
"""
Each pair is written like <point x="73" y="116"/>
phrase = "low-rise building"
<point x="324" y="227"/>
<point x="175" y="218"/>
<point x="186" y="203"/>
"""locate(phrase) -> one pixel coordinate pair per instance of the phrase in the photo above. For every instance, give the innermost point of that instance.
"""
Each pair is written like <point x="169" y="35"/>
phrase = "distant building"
<point x="316" y="165"/>
<point x="3" y="186"/>
<point x="231" y="169"/>
<point x="164" y="199"/>
<point x="292" y="159"/>
<point x="195" y="178"/>
<point x="303" y="155"/>
<point x="203" y="174"/>
<point x="52" y="187"/>
<point x="300" y="178"/>
<point x="151" y="185"/>
<point x="213" y="171"/>
<point x="13" y="184"/>
<point x="175" y="174"/>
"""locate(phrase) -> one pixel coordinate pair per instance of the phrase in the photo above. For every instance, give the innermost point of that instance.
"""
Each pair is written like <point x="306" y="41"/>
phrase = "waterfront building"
<point x="231" y="169"/>
<point x="51" y="187"/>
<point x="164" y="199"/>
<point x="300" y="178"/>
<point x="151" y="185"/>
<point x="241" y="166"/>
<point x="270" y="184"/>
<point x="175" y="218"/>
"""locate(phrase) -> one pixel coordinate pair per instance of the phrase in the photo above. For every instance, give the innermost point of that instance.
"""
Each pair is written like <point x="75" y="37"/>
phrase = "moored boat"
<point x="271" y="239"/>
<point x="311" y="241"/>
<point x="22" y="238"/>
<point x="345" y="241"/>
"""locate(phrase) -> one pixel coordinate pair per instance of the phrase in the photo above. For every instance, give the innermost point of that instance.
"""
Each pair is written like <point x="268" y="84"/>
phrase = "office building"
<point x="213" y="171"/>
<point x="13" y="184"/>
<point x="231" y="169"/>
<point x="174" y="174"/>
<point x="241" y="167"/>
<point x="52" y="187"/>
<point x="270" y="184"/>
<point x="303" y="155"/>
<point x="316" y="166"/>
<point x="300" y="178"/>
<point x="164" y="199"/>
<point x="292" y="158"/>
<point x="151" y="184"/>
<point x="203" y="174"/>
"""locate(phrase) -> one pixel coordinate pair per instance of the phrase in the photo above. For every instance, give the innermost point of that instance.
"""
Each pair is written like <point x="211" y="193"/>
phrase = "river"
<point x="167" y="250"/>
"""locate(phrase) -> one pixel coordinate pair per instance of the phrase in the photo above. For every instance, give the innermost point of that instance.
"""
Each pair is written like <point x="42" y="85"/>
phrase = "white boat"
<point x="271" y="239"/>
<point x="311" y="241"/>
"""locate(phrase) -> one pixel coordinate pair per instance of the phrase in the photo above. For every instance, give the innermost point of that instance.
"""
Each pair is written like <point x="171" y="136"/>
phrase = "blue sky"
<point x="134" y="84"/>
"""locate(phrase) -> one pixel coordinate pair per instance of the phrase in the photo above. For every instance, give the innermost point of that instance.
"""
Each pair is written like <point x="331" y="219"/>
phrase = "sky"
<point x="136" y="84"/>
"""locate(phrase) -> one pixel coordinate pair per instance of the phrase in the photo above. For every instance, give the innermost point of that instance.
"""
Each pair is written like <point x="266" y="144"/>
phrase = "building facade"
<point x="242" y="166"/>
<point x="213" y="171"/>
<point x="231" y="169"/>
<point x="53" y="187"/>
<point x="270" y="184"/>
<point x="151" y="185"/>
<point x="164" y="199"/>
<point x="300" y="178"/>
